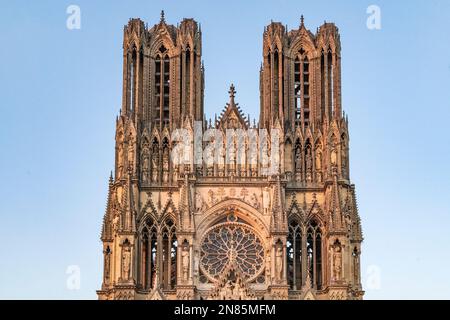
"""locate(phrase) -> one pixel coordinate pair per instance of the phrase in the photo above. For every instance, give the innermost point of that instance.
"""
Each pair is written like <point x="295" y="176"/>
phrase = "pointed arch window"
<point x="132" y="80"/>
<point x="162" y="86"/>
<point x="301" y="87"/>
<point x="304" y="255"/>
<point x="148" y="254"/>
<point x="169" y="251"/>
<point x="330" y="79"/>
<point x="294" y="255"/>
<point x="314" y="253"/>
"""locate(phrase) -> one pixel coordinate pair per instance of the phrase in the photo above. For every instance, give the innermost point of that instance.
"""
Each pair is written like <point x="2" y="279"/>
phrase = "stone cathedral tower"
<point x="225" y="226"/>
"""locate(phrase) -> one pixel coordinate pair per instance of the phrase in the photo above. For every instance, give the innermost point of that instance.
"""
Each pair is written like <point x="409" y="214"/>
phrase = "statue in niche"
<point x="145" y="166"/>
<point x="120" y="159"/>
<point x="155" y="164"/>
<point x="126" y="262"/>
<point x="196" y="262"/>
<point x="232" y="158"/>
<point x="209" y="161"/>
<point x="266" y="200"/>
<point x="185" y="261"/>
<point x="107" y="263"/>
<point x="337" y="261"/>
<point x="115" y="222"/>
<point x="333" y="157"/>
<point x="176" y="170"/>
<point x="279" y="262"/>
<point x="298" y="160"/>
<point x="130" y="150"/>
<point x="308" y="164"/>
<point x="318" y="160"/>
<point x="166" y="165"/>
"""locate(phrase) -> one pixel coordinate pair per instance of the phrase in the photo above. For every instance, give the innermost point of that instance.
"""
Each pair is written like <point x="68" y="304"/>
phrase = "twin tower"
<point x="224" y="227"/>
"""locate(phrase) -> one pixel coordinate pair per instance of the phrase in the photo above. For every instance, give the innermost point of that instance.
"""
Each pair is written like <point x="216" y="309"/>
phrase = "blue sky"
<point x="61" y="91"/>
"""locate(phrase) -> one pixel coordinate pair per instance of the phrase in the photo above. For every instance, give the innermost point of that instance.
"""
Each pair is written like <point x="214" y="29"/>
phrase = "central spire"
<point x="232" y="91"/>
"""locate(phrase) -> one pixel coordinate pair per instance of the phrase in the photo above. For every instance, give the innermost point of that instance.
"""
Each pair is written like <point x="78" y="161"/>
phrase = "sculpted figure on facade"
<point x="185" y="260"/>
<point x="337" y="261"/>
<point x="126" y="262"/>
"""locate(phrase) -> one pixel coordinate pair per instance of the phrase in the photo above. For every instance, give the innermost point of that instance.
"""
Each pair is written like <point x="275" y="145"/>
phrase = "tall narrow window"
<point x="297" y="89"/>
<point x="168" y="248"/>
<point x="161" y="80"/>
<point x="275" y="82"/>
<point x="166" y="88"/>
<point x="301" y="87"/>
<point x="148" y="254"/>
<point x="322" y="85"/>
<point x="314" y="253"/>
<point x="330" y="83"/>
<point x="187" y="83"/>
<point x="294" y="255"/>
<point x="156" y="109"/>
<point x="305" y="80"/>
<point x="132" y="81"/>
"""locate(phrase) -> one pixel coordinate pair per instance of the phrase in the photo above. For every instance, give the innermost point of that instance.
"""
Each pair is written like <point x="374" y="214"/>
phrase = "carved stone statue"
<point x="337" y="262"/>
<point x="120" y="160"/>
<point x="198" y="201"/>
<point x="130" y="153"/>
<point x="308" y="165"/>
<point x="107" y="263"/>
<point x="196" y="262"/>
<point x="298" y="160"/>
<point x="266" y="199"/>
<point x="211" y="197"/>
<point x="145" y="167"/>
<point x="155" y="169"/>
<point x="333" y="157"/>
<point x="115" y="222"/>
<point x="126" y="262"/>
<point x="279" y="263"/>
<point x="254" y="201"/>
<point x="318" y="160"/>
<point x="185" y="262"/>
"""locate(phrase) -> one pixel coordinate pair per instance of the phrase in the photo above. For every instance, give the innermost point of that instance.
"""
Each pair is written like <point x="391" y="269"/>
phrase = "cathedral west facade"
<point x="251" y="218"/>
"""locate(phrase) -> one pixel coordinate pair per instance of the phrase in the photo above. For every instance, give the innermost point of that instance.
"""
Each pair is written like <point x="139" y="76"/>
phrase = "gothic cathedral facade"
<point x="228" y="228"/>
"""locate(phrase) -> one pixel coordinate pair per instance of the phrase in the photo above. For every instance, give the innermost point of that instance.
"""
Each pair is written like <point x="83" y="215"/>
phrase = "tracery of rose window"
<point x="235" y="243"/>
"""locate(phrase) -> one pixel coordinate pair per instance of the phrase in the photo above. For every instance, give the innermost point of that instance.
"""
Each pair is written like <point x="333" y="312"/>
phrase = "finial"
<point x="232" y="92"/>
<point x="162" y="16"/>
<point x="111" y="178"/>
<point x="302" y="20"/>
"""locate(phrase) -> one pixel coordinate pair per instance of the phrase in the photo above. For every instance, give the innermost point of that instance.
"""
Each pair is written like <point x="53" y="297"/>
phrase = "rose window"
<point x="234" y="243"/>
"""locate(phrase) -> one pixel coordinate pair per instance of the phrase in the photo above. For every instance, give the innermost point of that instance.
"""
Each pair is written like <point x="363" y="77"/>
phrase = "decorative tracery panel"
<point x="232" y="242"/>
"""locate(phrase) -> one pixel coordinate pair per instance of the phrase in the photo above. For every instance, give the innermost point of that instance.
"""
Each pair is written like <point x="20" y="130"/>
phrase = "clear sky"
<point x="60" y="91"/>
